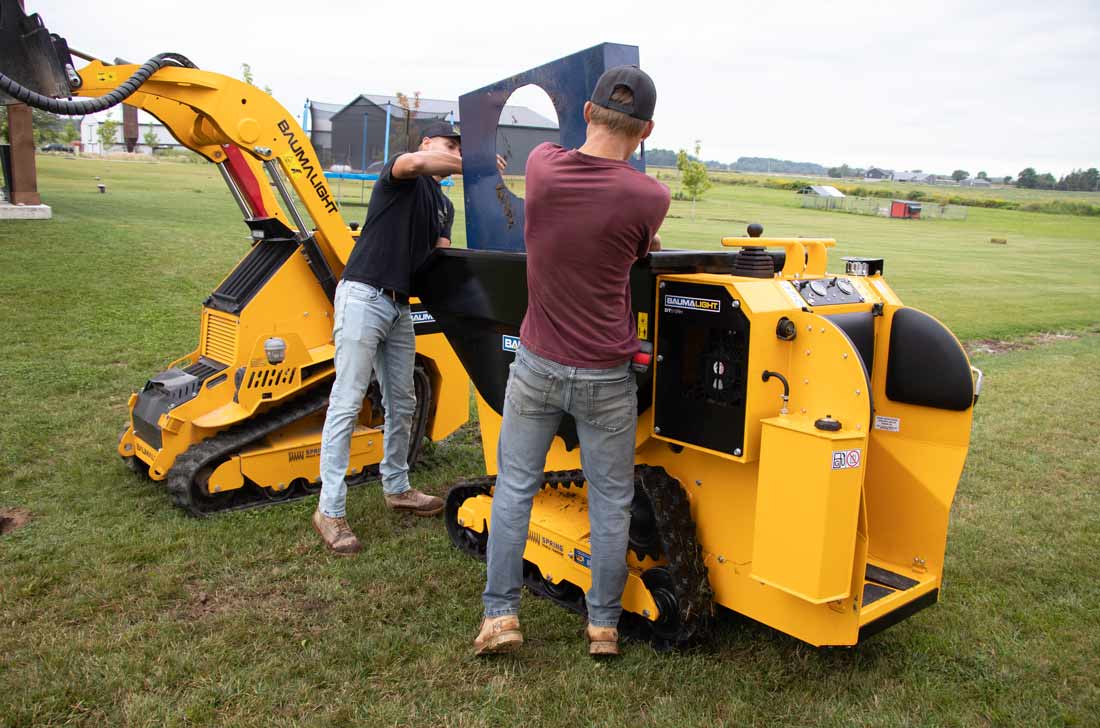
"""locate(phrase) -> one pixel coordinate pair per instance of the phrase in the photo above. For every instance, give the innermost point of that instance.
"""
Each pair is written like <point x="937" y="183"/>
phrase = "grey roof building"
<point x="354" y="134"/>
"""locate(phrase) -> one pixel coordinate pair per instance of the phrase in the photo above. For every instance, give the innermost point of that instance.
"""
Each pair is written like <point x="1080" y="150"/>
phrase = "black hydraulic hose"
<point x="90" y="106"/>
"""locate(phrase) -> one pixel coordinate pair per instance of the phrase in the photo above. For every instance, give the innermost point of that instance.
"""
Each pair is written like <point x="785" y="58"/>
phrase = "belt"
<point x="395" y="296"/>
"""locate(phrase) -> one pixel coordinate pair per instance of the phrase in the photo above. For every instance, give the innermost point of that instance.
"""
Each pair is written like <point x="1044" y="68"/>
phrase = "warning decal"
<point x="890" y="424"/>
<point x="845" y="459"/>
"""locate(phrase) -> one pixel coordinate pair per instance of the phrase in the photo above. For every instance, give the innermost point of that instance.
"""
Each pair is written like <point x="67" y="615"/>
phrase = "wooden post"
<point x="24" y="182"/>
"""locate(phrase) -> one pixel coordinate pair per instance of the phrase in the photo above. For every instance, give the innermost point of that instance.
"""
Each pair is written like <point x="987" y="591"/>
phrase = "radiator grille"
<point x="220" y="342"/>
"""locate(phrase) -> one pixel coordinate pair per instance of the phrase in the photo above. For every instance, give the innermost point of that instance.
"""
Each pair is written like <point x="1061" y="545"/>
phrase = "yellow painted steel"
<point x="786" y="536"/>
<point x="208" y="113"/>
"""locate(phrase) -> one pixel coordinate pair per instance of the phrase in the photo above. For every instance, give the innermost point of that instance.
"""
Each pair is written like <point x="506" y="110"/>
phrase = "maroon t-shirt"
<point x="587" y="220"/>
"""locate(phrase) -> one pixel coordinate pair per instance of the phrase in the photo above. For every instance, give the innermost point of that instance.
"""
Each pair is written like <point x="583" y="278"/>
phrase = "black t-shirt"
<point x="405" y="217"/>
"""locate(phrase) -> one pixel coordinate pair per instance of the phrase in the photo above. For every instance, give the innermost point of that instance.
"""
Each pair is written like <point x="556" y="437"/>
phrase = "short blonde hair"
<point x="617" y="121"/>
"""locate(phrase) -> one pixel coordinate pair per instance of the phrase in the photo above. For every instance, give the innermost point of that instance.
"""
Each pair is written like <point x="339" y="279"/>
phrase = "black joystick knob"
<point x="756" y="230"/>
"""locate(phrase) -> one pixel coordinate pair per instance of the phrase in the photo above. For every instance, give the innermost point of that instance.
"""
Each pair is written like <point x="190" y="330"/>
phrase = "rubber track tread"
<point x="672" y="510"/>
<point x="181" y="476"/>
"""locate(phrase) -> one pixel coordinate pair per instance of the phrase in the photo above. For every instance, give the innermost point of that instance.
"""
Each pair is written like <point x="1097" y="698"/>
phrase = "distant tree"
<point x="106" y="133"/>
<point x="917" y="171"/>
<point x="1028" y="179"/>
<point x="842" y="171"/>
<point x="69" y="133"/>
<point x="1008" y="179"/>
<point x="959" y="175"/>
<point x="150" y="138"/>
<point x="3" y="124"/>
<point x="248" y="77"/>
<point x="982" y="175"/>
<point x="693" y="176"/>
<point x="1080" y="180"/>
<point x="1047" y="181"/>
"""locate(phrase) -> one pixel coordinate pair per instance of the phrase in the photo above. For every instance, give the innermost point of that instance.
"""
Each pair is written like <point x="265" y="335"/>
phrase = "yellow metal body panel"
<point x="807" y="509"/>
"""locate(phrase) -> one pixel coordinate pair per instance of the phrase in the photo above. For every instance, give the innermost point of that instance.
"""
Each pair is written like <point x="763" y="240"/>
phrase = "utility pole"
<point x="26" y="202"/>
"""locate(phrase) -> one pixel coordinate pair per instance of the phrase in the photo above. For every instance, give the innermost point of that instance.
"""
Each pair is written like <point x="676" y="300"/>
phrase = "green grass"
<point x="116" y="609"/>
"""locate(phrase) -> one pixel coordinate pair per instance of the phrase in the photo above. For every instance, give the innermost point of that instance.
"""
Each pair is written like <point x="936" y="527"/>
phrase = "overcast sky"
<point x="994" y="86"/>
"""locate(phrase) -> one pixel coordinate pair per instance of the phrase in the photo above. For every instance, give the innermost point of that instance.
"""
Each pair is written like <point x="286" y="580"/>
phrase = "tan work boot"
<point x="336" y="533"/>
<point x="498" y="635"/>
<point x="602" y="641"/>
<point x="413" y="501"/>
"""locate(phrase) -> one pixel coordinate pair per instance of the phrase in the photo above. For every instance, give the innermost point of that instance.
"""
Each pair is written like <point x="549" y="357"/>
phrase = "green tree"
<point x="842" y="171"/>
<point x="1008" y="179"/>
<point x="1028" y="179"/>
<point x="246" y="74"/>
<point x="69" y="133"/>
<point x="693" y="176"/>
<point x="3" y="124"/>
<point x="959" y="175"/>
<point x="150" y="138"/>
<point x="982" y="175"/>
<point x="106" y="133"/>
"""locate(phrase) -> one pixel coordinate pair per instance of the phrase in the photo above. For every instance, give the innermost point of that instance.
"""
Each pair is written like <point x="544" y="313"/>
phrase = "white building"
<point x="89" y="133"/>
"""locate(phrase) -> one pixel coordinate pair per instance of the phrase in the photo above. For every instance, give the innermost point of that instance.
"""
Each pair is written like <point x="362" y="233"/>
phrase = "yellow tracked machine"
<point x="236" y="422"/>
<point x="800" y="437"/>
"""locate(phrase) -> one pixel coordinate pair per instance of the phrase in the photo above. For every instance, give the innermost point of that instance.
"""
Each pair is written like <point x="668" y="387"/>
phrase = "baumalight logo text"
<point x="694" y="304"/>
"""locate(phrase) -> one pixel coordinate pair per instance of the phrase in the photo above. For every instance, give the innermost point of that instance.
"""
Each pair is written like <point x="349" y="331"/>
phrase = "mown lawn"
<point x="116" y="609"/>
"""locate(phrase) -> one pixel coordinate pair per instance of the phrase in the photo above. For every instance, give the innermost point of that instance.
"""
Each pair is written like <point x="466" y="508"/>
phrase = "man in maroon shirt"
<point x="589" y="216"/>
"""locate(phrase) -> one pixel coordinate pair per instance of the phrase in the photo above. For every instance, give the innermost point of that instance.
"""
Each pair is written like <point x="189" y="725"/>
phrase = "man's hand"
<point x="443" y="243"/>
<point x="502" y="164"/>
<point x="427" y="163"/>
<point x="655" y="243"/>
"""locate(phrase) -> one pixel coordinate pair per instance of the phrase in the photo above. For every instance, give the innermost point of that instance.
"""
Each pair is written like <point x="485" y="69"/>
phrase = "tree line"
<point x="1079" y="180"/>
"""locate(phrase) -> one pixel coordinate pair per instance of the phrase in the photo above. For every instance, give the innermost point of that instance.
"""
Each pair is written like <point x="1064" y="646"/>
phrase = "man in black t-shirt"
<point x="407" y="217"/>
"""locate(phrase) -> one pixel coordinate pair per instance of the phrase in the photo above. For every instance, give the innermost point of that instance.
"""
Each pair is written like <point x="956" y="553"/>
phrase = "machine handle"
<point x="978" y="379"/>
<point x="804" y="255"/>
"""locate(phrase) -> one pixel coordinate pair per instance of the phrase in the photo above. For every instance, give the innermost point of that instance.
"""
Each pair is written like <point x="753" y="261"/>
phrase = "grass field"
<point x="116" y="609"/>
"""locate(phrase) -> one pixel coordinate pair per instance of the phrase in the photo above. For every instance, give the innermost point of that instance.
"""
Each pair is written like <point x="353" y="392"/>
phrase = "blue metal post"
<point x="386" y="151"/>
<point x="363" y="157"/>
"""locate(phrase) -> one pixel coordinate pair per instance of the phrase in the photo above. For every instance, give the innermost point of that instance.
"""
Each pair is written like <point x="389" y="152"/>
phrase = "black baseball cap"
<point x="441" y="129"/>
<point x="639" y="83"/>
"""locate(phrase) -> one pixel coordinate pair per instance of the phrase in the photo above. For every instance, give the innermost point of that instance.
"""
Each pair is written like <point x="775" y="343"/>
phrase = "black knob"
<point x="785" y="330"/>
<point x="827" y="423"/>
<point x="756" y="230"/>
<point x="354" y="226"/>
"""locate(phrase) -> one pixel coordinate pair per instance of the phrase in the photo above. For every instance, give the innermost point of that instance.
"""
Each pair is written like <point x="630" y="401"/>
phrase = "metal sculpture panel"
<point x="494" y="216"/>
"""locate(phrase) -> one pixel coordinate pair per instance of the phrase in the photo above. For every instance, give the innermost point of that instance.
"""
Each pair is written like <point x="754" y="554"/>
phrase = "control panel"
<point x="828" y="291"/>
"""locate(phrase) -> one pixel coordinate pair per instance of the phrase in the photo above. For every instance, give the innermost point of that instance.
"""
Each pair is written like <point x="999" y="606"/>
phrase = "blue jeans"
<point x="369" y="330"/>
<point x="604" y="404"/>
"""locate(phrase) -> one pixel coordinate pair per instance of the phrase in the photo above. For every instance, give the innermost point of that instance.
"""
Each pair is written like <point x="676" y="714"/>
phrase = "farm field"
<point x="116" y="609"/>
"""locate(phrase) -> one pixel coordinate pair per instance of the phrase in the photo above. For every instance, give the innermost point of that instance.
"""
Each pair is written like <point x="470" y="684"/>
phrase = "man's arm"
<point x="418" y="164"/>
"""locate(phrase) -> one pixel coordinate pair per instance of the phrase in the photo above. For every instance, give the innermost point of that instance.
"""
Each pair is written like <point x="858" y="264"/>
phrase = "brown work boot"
<point x="498" y="635"/>
<point x="413" y="501"/>
<point x="337" y="534"/>
<point x="602" y="641"/>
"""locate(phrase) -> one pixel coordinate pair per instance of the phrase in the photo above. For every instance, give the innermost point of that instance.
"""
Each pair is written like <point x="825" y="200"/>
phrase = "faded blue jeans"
<point x="369" y="330"/>
<point x="605" y="406"/>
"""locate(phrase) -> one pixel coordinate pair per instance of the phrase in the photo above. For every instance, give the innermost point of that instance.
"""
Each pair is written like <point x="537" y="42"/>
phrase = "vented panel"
<point x="220" y="340"/>
<point x="267" y="378"/>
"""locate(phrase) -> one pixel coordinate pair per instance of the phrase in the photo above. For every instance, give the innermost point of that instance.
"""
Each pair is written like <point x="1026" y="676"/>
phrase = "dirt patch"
<point x="236" y="599"/>
<point x="12" y="519"/>
<point x="1002" y="346"/>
